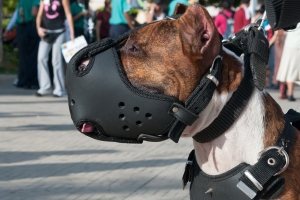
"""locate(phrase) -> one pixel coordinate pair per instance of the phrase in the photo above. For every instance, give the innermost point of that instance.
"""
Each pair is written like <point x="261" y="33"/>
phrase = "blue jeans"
<point x="116" y="30"/>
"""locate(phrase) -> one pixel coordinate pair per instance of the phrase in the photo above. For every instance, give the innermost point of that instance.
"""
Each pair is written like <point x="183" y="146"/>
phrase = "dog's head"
<point x="171" y="56"/>
<point x="163" y="61"/>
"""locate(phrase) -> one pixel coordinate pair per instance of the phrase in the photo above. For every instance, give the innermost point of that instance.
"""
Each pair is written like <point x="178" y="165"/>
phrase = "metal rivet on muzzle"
<point x="175" y="109"/>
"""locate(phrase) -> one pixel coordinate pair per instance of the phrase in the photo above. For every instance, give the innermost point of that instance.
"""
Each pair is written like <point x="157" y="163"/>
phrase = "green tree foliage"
<point x="9" y="6"/>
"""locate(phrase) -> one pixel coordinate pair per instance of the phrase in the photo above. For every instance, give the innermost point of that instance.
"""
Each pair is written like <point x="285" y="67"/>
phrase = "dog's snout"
<point x="83" y="65"/>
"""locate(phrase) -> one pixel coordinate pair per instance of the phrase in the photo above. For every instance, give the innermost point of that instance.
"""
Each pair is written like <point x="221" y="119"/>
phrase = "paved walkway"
<point x="42" y="156"/>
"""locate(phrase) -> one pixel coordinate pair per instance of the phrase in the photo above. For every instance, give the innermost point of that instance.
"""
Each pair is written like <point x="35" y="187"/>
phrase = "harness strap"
<point x="223" y="186"/>
<point x="254" y="182"/>
<point x="274" y="159"/>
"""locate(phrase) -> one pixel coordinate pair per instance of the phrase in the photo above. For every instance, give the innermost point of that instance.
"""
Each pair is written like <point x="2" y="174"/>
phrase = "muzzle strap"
<point x="198" y="100"/>
<point x="183" y="114"/>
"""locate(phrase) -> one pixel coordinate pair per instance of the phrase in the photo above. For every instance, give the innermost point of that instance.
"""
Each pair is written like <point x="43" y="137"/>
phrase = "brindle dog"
<point x="171" y="56"/>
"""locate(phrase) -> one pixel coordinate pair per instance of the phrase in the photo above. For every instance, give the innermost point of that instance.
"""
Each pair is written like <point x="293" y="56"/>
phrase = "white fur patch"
<point x="240" y="143"/>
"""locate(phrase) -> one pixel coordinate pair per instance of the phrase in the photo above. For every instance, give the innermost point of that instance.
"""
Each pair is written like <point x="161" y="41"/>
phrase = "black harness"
<point x="102" y="95"/>
<point x="244" y="181"/>
<point x="258" y="181"/>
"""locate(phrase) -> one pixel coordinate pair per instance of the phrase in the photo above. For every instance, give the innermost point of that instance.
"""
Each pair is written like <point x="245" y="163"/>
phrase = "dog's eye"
<point x="133" y="49"/>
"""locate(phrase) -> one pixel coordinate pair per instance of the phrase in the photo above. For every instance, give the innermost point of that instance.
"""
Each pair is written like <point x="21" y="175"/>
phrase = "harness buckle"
<point x="249" y="26"/>
<point x="244" y="188"/>
<point x="282" y="152"/>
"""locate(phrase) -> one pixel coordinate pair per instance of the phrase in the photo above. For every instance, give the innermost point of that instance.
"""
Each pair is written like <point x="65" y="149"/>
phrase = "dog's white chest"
<point x="241" y="143"/>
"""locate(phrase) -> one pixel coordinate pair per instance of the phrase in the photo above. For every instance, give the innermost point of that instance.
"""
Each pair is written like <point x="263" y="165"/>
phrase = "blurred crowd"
<point x="42" y="26"/>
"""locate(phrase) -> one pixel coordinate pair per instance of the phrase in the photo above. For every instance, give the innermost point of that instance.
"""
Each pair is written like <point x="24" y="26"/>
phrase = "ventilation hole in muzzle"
<point x="121" y="105"/>
<point x="136" y="110"/>
<point x="148" y="116"/>
<point x="122" y="117"/>
<point x="72" y="102"/>
<point x="126" y="128"/>
<point x="139" y="123"/>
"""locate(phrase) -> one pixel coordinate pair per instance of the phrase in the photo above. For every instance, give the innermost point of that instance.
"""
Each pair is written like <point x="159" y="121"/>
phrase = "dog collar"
<point x="258" y="181"/>
<point x="254" y="45"/>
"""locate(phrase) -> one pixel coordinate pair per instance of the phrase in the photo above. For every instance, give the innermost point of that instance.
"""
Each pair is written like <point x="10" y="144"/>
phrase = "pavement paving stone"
<point x="43" y="156"/>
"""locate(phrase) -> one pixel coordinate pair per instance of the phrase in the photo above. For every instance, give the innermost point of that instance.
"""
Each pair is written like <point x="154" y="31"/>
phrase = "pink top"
<point x="221" y="21"/>
<point x="241" y="19"/>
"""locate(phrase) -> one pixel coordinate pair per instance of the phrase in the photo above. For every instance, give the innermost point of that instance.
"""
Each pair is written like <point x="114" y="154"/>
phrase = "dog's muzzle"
<point x="102" y="101"/>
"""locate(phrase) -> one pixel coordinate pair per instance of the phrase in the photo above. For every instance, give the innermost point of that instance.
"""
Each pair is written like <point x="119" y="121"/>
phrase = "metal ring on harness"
<point x="282" y="152"/>
<point x="249" y="26"/>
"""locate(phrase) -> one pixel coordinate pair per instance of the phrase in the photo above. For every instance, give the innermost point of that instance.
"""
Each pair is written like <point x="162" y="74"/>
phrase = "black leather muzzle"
<point x="102" y="95"/>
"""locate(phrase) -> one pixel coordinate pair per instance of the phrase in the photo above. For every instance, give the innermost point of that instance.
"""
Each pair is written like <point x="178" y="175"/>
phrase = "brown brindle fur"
<point x="175" y="64"/>
<point x="274" y="124"/>
<point x="181" y="54"/>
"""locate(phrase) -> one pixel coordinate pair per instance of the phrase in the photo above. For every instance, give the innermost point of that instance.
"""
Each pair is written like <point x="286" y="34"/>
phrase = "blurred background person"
<point x="172" y="5"/>
<point x="102" y="21"/>
<point x="10" y="35"/>
<point x="120" y="20"/>
<point x="79" y="12"/>
<point x="50" y="26"/>
<point x="280" y="36"/>
<point x="242" y="17"/>
<point x="89" y="24"/>
<point x="289" y="69"/>
<point x="156" y="11"/>
<point x="27" y="43"/>
<point x="224" y="20"/>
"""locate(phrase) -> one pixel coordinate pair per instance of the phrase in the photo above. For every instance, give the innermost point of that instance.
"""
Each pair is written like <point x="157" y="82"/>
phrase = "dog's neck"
<point x="240" y="143"/>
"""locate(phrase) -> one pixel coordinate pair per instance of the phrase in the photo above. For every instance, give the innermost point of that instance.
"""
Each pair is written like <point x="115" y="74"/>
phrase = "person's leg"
<point x="282" y="91"/>
<point x="290" y="86"/>
<point x="33" y="47"/>
<point x="21" y="44"/>
<point x="43" y="70"/>
<point x="58" y="66"/>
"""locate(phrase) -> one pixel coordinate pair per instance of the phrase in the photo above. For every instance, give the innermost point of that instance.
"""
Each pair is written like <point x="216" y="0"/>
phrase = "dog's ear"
<point x="180" y="9"/>
<point x="199" y="34"/>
